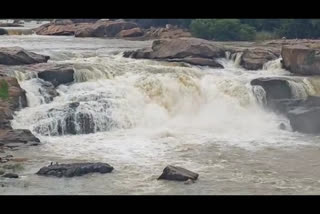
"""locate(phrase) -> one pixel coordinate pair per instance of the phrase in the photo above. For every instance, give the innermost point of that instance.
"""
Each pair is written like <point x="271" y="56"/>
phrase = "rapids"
<point x="141" y="115"/>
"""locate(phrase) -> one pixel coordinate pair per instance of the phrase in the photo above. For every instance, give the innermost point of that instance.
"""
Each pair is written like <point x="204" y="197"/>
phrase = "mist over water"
<point x="143" y="115"/>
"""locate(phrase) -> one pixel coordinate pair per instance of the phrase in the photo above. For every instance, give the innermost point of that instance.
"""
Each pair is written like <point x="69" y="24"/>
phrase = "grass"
<point x="4" y="90"/>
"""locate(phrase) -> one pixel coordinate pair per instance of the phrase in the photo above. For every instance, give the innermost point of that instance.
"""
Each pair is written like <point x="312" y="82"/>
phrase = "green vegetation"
<point x="242" y="29"/>
<point x="222" y="29"/>
<point x="4" y="90"/>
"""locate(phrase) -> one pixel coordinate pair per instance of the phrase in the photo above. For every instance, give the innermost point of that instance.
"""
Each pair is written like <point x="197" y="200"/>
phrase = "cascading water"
<point x="140" y="115"/>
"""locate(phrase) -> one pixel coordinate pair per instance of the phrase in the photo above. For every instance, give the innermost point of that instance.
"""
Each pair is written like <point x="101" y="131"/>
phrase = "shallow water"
<point x="148" y="114"/>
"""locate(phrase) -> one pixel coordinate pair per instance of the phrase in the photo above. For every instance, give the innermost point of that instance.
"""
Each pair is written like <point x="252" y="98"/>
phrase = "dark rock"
<point x="76" y="169"/>
<point x="57" y="74"/>
<point x="282" y="126"/>
<point x="306" y="120"/>
<point x="19" y="56"/>
<point x="300" y="59"/>
<point x="17" y="136"/>
<point x="10" y="175"/>
<point x="198" y="61"/>
<point x="275" y="88"/>
<point x="3" y="31"/>
<point x="178" y="174"/>
<point x="48" y="91"/>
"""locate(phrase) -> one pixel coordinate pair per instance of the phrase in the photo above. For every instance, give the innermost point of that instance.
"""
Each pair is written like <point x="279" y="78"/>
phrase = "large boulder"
<point x="104" y="28"/>
<point x="58" y="29"/>
<point x="177" y="174"/>
<point x="301" y="59"/>
<point x="56" y="74"/>
<point x="19" y="56"/>
<point x="254" y="59"/>
<point x="305" y="119"/>
<point x="275" y="88"/>
<point x="75" y="169"/>
<point x="23" y="136"/>
<point x="191" y="50"/>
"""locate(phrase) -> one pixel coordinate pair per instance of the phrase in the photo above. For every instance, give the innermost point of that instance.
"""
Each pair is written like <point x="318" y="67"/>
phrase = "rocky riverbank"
<point x="109" y="29"/>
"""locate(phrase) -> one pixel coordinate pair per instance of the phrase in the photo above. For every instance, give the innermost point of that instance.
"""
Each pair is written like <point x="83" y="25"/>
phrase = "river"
<point x="147" y="114"/>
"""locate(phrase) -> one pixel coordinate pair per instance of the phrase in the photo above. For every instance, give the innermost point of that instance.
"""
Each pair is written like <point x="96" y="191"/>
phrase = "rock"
<point x="57" y="74"/>
<point x="17" y="136"/>
<point x="282" y="126"/>
<point x="57" y="29"/>
<point x="3" y="31"/>
<point x="306" y="120"/>
<point x="10" y="25"/>
<point x="198" y="61"/>
<point x="178" y="174"/>
<point x="166" y="33"/>
<point x="189" y="50"/>
<point x="19" y="56"/>
<point x="62" y="22"/>
<point x="16" y="99"/>
<point x="254" y="59"/>
<point x="275" y="88"/>
<point x="104" y="28"/>
<point x="134" y="32"/>
<point x="300" y="59"/>
<point x="10" y="175"/>
<point x="75" y="169"/>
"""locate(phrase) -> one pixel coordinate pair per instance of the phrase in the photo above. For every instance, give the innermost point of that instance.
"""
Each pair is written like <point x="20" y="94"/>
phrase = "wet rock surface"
<point x="177" y="174"/>
<point x="75" y="169"/>
<point x="19" y="56"/>
<point x="10" y="175"/>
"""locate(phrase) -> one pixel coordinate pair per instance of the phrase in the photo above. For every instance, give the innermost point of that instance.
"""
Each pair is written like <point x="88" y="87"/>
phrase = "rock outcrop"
<point x="301" y="59"/>
<point x="56" y="74"/>
<point x="166" y="33"/>
<point x="19" y="56"/>
<point x="254" y="59"/>
<point x="177" y="174"/>
<point x="189" y="50"/>
<point x="75" y="169"/>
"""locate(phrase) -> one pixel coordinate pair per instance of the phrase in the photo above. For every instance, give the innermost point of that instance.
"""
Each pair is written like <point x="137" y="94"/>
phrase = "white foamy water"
<point x="143" y="115"/>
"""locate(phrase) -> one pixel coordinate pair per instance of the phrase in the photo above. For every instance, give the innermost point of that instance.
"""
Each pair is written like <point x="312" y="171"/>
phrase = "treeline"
<point x="243" y="29"/>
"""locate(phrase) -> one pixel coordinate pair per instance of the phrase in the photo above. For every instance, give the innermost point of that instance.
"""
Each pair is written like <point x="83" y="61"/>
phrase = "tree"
<point x="222" y="29"/>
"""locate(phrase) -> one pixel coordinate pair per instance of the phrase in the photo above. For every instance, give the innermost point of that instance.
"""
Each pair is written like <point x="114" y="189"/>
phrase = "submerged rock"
<point x="19" y="56"/>
<point x="134" y="32"/>
<point x="75" y="169"/>
<point x="178" y="174"/>
<point x="10" y="175"/>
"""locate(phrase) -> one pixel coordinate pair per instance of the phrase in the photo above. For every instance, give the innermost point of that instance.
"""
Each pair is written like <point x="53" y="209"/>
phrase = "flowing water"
<point x="143" y="115"/>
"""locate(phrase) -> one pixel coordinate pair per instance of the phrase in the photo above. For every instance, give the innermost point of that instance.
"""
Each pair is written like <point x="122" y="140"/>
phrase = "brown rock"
<point x="19" y="56"/>
<point x="254" y="59"/>
<point x="134" y="32"/>
<point x="301" y="59"/>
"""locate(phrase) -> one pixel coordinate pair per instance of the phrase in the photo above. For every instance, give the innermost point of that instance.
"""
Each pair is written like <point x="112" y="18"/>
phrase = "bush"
<point x="4" y="90"/>
<point x="222" y="29"/>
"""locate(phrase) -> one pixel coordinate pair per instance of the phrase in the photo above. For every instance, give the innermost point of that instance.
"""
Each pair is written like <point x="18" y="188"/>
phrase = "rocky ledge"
<point x="205" y="53"/>
<point x="74" y="169"/>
